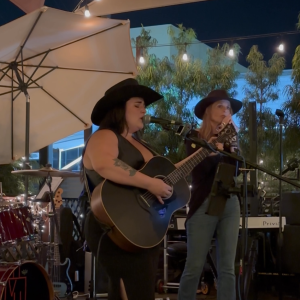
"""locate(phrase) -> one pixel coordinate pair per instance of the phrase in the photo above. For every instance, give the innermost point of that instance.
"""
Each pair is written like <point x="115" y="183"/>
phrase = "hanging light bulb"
<point x="87" y="13"/>
<point x="231" y="52"/>
<point x="142" y="60"/>
<point x="281" y="47"/>
<point x="185" y="56"/>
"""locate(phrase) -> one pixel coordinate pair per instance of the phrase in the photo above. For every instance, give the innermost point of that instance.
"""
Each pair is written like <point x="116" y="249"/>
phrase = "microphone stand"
<point x="213" y="148"/>
<point x="280" y="114"/>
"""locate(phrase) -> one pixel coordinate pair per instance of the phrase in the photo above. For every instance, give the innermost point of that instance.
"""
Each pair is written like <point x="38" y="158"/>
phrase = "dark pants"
<point x="137" y="270"/>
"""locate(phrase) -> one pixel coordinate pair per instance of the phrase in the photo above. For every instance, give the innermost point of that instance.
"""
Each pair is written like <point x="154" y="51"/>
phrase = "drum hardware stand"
<point x="1" y="194"/>
<point x="53" y="225"/>
<point x="93" y="294"/>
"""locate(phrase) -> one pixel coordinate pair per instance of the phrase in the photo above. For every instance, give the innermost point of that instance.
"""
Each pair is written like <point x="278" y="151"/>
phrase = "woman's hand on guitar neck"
<point x="220" y="146"/>
<point x="160" y="189"/>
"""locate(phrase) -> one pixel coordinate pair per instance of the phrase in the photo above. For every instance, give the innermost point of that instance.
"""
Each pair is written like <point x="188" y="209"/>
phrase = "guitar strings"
<point x="186" y="168"/>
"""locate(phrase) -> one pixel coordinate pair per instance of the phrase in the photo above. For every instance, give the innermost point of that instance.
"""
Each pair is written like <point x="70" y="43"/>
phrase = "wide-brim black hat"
<point x="215" y="96"/>
<point x="120" y="93"/>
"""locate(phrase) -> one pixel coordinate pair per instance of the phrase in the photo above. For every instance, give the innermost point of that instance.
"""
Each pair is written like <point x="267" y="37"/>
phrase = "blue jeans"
<point x="200" y="230"/>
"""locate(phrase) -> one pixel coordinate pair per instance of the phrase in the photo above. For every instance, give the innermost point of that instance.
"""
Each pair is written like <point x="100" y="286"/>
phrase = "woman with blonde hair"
<point x="200" y="226"/>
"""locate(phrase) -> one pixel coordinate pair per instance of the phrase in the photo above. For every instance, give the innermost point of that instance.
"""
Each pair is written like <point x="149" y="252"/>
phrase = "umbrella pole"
<point x="27" y="129"/>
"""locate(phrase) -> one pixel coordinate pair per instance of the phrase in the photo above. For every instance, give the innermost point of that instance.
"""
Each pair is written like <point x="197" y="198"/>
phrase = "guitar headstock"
<point x="58" y="198"/>
<point x="227" y="132"/>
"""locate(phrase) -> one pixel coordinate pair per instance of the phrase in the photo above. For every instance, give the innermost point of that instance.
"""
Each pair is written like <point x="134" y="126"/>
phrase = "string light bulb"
<point x="231" y="52"/>
<point x="142" y="60"/>
<point x="87" y="13"/>
<point x="281" y="47"/>
<point x="185" y="56"/>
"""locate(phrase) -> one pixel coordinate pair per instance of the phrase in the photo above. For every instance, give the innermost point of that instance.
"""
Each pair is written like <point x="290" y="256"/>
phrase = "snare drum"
<point x="27" y="281"/>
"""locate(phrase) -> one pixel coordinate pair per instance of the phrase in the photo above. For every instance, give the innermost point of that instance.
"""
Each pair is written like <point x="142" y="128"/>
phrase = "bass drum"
<point x="26" y="281"/>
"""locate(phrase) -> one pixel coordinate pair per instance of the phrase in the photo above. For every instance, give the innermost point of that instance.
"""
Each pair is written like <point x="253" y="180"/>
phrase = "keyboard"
<point x="177" y="223"/>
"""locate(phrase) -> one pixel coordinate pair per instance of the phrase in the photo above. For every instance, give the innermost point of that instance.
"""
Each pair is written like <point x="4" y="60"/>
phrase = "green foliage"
<point x="298" y="24"/>
<point x="219" y="71"/>
<point x="144" y="41"/>
<point x="291" y="108"/>
<point x="12" y="184"/>
<point x="261" y="86"/>
<point x="180" y="82"/>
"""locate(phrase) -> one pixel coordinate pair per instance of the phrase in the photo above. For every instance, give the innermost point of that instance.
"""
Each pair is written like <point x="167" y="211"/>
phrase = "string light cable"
<point x="229" y="39"/>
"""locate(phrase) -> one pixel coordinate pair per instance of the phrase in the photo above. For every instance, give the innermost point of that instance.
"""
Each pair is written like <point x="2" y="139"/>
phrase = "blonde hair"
<point x="205" y="131"/>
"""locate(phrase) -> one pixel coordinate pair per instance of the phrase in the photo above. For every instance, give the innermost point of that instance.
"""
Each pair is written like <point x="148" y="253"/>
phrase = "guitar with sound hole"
<point x="135" y="217"/>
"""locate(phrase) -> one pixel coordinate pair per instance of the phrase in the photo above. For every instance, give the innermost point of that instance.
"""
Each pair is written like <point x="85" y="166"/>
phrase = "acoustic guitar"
<point x="136" y="218"/>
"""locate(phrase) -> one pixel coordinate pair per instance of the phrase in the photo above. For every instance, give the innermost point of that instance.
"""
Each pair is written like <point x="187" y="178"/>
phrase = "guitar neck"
<point x="56" y="274"/>
<point x="194" y="159"/>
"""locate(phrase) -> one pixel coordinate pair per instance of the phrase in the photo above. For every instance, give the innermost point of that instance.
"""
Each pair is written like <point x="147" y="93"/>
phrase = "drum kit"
<point x="23" y="275"/>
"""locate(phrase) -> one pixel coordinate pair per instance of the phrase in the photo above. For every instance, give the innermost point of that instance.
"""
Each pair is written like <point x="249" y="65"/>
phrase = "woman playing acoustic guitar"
<point x="111" y="159"/>
<point x="114" y="153"/>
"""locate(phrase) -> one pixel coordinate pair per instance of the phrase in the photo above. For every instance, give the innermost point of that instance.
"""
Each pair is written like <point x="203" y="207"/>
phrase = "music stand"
<point x="223" y="186"/>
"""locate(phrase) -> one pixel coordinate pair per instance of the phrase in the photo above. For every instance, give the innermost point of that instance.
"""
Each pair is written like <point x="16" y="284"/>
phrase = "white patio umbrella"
<point x="54" y="66"/>
<point x="107" y="7"/>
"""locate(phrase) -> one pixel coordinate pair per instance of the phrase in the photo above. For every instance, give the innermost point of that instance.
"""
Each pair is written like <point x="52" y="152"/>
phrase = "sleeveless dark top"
<point x="127" y="153"/>
<point x="132" y="157"/>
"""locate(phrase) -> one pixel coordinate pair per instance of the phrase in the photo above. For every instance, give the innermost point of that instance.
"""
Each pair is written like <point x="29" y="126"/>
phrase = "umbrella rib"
<point x="5" y="86"/>
<point x="36" y="67"/>
<point x="29" y="34"/>
<point x="4" y="73"/>
<point x="97" y="71"/>
<point x="35" y="80"/>
<point x="14" y="98"/>
<point x="70" y="43"/>
<point x="12" y="116"/>
<point x="11" y="77"/>
<point x="9" y="92"/>
<point x="77" y="69"/>
<point x="63" y="106"/>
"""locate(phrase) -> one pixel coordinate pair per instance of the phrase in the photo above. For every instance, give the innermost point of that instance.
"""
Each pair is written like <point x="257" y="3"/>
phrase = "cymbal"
<point x="46" y="171"/>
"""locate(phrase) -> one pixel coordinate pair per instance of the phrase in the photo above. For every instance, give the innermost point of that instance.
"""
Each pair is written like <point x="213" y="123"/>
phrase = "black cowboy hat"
<point x="121" y="92"/>
<point x="215" y="96"/>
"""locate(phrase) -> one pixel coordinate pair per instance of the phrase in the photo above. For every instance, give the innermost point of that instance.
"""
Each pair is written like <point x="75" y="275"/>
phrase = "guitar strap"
<point x="86" y="184"/>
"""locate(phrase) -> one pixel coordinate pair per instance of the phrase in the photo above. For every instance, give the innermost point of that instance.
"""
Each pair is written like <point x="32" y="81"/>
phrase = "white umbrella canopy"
<point x="65" y="63"/>
<point x="107" y="7"/>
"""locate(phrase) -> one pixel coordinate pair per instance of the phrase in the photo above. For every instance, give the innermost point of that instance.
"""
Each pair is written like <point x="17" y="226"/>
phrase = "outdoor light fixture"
<point x="231" y="52"/>
<point x="142" y="60"/>
<point x="281" y="47"/>
<point x="87" y="13"/>
<point x="185" y="56"/>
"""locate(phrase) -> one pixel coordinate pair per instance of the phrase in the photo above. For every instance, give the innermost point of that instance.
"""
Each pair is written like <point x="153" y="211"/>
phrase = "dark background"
<point x="215" y="19"/>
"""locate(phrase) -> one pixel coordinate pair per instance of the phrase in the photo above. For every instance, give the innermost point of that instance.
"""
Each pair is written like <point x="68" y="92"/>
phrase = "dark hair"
<point x="115" y="120"/>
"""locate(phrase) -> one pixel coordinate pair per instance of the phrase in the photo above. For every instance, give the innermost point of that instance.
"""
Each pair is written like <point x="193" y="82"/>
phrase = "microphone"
<point x="147" y="119"/>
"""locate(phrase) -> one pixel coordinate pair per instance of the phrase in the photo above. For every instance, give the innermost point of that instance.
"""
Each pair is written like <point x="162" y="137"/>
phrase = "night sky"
<point x="215" y="19"/>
